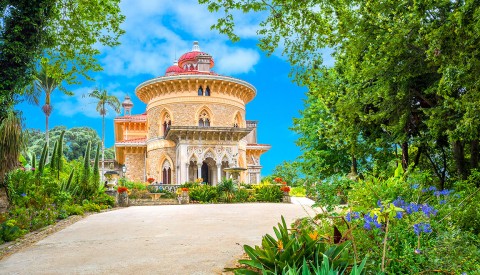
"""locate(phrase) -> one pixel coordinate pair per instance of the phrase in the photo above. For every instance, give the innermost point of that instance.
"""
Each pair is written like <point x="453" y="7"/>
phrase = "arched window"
<point x="237" y="121"/>
<point x="200" y="91"/>
<point x="167" y="122"/>
<point x="166" y="173"/>
<point x="204" y="119"/>
<point x="207" y="91"/>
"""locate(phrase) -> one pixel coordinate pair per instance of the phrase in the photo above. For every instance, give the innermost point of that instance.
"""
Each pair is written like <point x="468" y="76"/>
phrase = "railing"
<point x="167" y="187"/>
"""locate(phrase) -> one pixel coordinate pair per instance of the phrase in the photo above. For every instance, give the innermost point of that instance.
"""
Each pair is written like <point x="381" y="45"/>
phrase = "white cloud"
<point x="81" y="103"/>
<point x="159" y="31"/>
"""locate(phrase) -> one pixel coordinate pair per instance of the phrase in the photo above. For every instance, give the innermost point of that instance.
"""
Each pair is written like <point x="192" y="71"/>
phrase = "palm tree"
<point x="104" y="100"/>
<point x="47" y="80"/>
<point x="11" y="143"/>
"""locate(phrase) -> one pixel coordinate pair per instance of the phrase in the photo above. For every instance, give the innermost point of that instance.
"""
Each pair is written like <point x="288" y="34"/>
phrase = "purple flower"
<point x="379" y="203"/>
<point x="399" y="215"/>
<point x="418" y="251"/>
<point x="444" y="192"/>
<point x="432" y="188"/>
<point x="442" y="202"/>
<point x="23" y="195"/>
<point x="415" y="186"/>
<point x="411" y="208"/>
<point x="352" y="215"/>
<point x="418" y="228"/>
<point x="399" y="202"/>
<point x="371" y="221"/>
<point x="428" y="210"/>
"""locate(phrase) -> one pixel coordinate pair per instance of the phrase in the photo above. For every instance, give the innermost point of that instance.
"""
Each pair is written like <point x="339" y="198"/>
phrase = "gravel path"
<point x="170" y="239"/>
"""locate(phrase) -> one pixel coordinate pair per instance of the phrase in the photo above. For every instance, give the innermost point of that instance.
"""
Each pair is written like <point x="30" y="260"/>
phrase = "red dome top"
<point x="174" y="69"/>
<point x="192" y="56"/>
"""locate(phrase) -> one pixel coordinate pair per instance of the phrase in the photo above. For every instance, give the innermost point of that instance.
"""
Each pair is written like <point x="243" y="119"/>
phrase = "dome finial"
<point x="196" y="47"/>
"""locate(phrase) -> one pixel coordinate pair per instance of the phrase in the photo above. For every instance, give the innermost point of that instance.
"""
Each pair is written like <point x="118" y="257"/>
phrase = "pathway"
<point x="171" y="239"/>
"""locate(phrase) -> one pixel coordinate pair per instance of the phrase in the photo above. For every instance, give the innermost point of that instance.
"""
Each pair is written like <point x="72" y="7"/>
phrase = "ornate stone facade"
<point x="194" y="126"/>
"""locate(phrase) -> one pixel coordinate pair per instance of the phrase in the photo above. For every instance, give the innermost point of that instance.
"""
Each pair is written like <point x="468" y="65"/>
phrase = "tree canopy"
<point x="403" y="87"/>
<point x="67" y="33"/>
<point x="76" y="140"/>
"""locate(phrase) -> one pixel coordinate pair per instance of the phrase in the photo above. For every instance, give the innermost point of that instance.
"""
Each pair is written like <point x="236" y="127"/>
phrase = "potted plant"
<point x="122" y="196"/>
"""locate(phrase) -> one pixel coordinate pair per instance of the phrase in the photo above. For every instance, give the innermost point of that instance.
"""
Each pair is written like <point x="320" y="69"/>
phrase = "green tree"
<point x="46" y="80"/>
<point x="401" y="84"/>
<point x="75" y="141"/>
<point x="11" y="141"/>
<point x="104" y="100"/>
<point x="289" y="172"/>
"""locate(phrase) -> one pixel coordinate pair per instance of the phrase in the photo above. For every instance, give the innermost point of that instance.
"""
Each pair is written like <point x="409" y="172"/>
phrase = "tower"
<point x="127" y="105"/>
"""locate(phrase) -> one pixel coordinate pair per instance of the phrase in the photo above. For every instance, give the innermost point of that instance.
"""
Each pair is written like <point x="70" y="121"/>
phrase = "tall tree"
<point x="104" y="100"/>
<point x="46" y="80"/>
<point x="11" y="141"/>
<point x="401" y="80"/>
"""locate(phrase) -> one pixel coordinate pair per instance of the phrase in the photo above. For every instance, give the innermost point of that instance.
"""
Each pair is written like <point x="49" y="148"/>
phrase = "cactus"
<point x="43" y="158"/>
<point x="59" y="164"/>
<point x="34" y="159"/>
<point x="53" y="159"/>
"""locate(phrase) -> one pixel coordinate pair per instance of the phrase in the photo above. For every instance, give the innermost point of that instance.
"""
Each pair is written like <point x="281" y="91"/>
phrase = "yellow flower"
<point x="280" y="245"/>
<point x="313" y="235"/>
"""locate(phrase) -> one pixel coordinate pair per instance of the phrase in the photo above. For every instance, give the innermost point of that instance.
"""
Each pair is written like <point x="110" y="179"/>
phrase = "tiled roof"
<point x="142" y="117"/>
<point x="133" y="141"/>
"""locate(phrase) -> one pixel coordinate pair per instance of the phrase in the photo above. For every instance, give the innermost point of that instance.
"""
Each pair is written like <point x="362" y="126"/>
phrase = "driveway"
<point x="170" y="239"/>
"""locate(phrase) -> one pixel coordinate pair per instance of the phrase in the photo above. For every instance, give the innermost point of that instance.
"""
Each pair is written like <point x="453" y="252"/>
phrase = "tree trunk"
<point x="103" y="146"/>
<point x="474" y="152"/>
<point x="405" y="156"/>
<point x="417" y="157"/>
<point x="46" y="129"/>
<point x="459" y="156"/>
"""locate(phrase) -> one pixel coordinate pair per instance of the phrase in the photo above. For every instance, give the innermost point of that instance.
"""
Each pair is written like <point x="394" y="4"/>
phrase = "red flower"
<point x="278" y="179"/>
<point x="122" y="189"/>
<point x="284" y="183"/>
<point x="150" y="180"/>
<point x="285" y="188"/>
<point x="185" y="189"/>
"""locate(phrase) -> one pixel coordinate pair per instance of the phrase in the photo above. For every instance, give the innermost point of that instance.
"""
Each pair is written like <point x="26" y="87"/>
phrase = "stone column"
<point x="188" y="172"/>
<point x="219" y="173"/>
<point x="199" y="171"/>
<point x="258" y="177"/>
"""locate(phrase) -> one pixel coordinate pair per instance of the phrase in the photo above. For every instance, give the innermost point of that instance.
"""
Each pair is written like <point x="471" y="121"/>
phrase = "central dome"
<point x="192" y="57"/>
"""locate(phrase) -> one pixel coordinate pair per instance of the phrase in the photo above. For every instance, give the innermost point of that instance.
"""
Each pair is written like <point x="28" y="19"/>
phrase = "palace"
<point x="194" y="126"/>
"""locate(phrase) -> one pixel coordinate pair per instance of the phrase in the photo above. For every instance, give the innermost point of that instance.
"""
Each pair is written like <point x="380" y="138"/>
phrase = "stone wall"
<point x="155" y="161"/>
<point x="135" y="166"/>
<point x="186" y="114"/>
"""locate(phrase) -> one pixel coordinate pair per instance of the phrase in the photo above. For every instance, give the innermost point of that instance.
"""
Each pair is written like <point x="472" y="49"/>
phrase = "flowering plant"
<point x="184" y="189"/>
<point x="122" y="189"/>
<point x="285" y="188"/>
<point x="199" y="180"/>
<point x="150" y="180"/>
<point x="278" y="180"/>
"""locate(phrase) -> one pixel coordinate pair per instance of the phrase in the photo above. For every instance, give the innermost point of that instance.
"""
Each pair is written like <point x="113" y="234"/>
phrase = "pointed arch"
<point x="166" y="165"/>
<point x="200" y="90"/>
<point x="238" y="120"/>
<point x="165" y="121"/>
<point x="204" y="117"/>
<point x="207" y="91"/>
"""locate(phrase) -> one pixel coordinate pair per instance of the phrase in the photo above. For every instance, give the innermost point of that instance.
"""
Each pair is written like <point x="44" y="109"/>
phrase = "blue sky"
<point x="156" y="33"/>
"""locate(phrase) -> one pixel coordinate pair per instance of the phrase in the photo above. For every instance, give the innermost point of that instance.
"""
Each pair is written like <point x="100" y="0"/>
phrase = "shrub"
<point x="298" y="192"/>
<point x="74" y="209"/>
<point x="104" y="200"/>
<point x="244" y="195"/>
<point x="139" y="194"/>
<point x="268" y="193"/>
<point x="91" y="207"/>
<point x="9" y="231"/>
<point x="204" y="193"/>
<point x="227" y="188"/>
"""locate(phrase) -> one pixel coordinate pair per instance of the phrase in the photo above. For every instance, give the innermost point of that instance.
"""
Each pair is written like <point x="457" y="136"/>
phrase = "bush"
<point x="268" y="193"/>
<point x="227" y="189"/>
<point x="91" y="207"/>
<point x="244" y="195"/>
<point x="298" y="192"/>
<point x="104" y="200"/>
<point x="203" y="193"/>
<point x="138" y="194"/>
<point x="74" y="209"/>
<point x="9" y="231"/>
